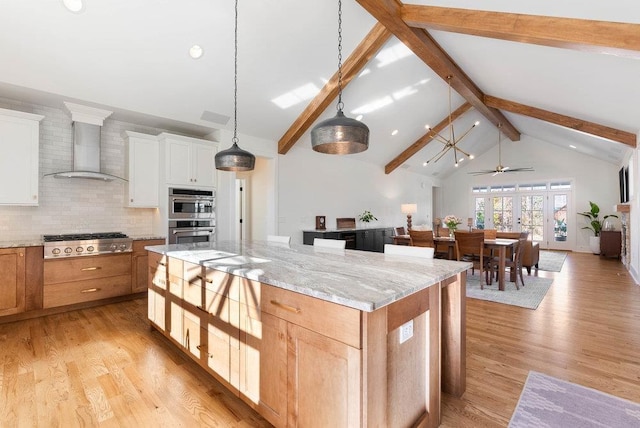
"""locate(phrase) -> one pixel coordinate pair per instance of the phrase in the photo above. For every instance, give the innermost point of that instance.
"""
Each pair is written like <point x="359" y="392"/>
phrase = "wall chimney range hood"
<point x="87" y="124"/>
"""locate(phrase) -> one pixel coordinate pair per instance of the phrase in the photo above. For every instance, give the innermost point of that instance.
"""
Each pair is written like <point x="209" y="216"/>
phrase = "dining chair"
<point x="329" y="243"/>
<point x="404" y="250"/>
<point x="421" y="238"/>
<point x="279" y="238"/>
<point x="470" y="248"/>
<point x="400" y="231"/>
<point x="488" y="233"/>
<point x="514" y="262"/>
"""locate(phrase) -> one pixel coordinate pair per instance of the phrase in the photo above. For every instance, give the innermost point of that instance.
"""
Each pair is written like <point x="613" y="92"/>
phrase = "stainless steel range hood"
<point x="87" y="124"/>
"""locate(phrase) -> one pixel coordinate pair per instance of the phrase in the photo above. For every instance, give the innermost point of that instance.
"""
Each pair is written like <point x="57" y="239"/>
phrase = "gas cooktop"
<point x="85" y="244"/>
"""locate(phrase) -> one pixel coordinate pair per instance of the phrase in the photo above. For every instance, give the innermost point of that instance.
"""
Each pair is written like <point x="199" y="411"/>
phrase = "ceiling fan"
<point x="500" y="168"/>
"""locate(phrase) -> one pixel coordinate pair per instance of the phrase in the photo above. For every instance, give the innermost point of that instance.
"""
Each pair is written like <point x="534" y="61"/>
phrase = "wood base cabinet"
<point x="306" y="362"/>
<point x="140" y="263"/>
<point x="82" y="279"/>
<point x="12" y="283"/>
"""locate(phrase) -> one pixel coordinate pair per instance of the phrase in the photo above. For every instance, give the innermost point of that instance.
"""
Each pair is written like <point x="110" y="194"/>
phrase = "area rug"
<point x="549" y="402"/>
<point x="529" y="296"/>
<point x="551" y="261"/>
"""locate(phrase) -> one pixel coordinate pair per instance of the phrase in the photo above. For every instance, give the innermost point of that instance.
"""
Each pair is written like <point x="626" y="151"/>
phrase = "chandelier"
<point x="451" y="142"/>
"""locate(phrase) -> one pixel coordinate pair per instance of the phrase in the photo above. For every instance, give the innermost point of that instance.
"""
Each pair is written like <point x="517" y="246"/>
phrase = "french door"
<point x="543" y="213"/>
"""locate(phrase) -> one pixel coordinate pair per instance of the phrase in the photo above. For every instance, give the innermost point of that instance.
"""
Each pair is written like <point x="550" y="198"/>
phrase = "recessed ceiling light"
<point x="572" y="146"/>
<point x="427" y="126"/>
<point x="424" y="164"/>
<point x="471" y="156"/>
<point x="75" y="6"/>
<point x="196" y="52"/>
<point x="394" y="132"/>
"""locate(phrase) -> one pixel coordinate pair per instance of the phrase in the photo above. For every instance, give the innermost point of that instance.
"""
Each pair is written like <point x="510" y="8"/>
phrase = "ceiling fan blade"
<point x="486" y="171"/>
<point x="520" y="169"/>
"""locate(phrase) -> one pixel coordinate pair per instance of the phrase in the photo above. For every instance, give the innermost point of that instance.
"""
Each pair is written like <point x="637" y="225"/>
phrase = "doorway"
<point x="541" y="209"/>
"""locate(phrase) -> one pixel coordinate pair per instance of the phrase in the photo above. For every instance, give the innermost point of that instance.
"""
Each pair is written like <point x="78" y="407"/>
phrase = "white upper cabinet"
<point x="189" y="161"/>
<point x="19" y="157"/>
<point x="142" y="168"/>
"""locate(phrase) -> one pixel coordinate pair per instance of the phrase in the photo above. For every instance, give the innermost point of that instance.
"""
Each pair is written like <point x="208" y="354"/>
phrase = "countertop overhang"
<point x="359" y="279"/>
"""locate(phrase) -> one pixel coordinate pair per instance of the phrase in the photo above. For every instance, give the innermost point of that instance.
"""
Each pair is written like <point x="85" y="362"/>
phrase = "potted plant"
<point x="367" y="217"/>
<point x="595" y="225"/>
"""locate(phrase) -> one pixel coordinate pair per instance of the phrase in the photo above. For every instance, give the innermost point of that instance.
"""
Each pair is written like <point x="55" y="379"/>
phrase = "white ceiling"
<point x="132" y="57"/>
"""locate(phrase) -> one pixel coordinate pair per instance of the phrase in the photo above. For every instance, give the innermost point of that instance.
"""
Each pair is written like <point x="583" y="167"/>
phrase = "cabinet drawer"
<point x="329" y="319"/>
<point x="157" y="277"/>
<point x="85" y="291"/>
<point x="157" y="261"/>
<point x="86" y="268"/>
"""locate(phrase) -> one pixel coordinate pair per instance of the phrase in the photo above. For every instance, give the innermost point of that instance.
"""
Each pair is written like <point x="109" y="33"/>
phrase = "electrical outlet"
<point x="406" y="331"/>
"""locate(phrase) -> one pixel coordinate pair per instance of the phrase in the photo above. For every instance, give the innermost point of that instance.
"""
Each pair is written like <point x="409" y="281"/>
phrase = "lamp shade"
<point x="340" y="135"/>
<point x="409" y="208"/>
<point x="235" y="159"/>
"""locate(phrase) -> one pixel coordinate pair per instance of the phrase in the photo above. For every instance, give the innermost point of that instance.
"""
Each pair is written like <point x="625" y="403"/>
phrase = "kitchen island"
<point x="316" y="337"/>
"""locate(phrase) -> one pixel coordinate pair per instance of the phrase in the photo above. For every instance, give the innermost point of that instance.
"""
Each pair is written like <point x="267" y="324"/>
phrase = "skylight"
<point x="296" y="96"/>
<point x="392" y="54"/>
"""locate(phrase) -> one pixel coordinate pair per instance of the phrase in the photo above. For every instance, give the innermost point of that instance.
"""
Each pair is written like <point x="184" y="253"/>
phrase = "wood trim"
<point x="388" y="12"/>
<point x="454" y="334"/>
<point x="425" y="139"/>
<point x="34" y="278"/>
<point x="350" y="68"/>
<point x="615" y="38"/>
<point x="567" y="121"/>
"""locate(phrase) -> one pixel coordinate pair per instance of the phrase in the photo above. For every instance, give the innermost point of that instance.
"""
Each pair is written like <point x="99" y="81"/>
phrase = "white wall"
<point x="312" y="184"/>
<point x="593" y="179"/>
<point x="75" y="205"/>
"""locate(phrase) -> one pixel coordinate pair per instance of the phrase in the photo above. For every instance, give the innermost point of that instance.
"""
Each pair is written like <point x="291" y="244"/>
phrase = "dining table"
<point x="499" y="244"/>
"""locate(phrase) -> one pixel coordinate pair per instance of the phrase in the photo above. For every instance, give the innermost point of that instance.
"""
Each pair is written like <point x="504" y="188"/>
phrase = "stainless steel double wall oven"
<point x="192" y="215"/>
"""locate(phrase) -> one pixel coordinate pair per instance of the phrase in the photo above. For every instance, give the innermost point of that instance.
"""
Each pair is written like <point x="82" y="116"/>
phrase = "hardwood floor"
<point x="104" y="367"/>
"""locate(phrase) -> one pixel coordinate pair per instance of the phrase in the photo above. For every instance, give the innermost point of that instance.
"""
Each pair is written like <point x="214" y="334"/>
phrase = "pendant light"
<point x="340" y="135"/>
<point x="234" y="158"/>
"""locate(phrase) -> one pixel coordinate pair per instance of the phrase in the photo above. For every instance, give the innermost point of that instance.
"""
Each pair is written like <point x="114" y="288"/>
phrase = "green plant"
<point x="366" y="217"/>
<point x="595" y="224"/>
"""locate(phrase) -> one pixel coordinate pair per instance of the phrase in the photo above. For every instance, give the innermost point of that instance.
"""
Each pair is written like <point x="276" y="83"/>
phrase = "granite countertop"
<point x="38" y="242"/>
<point x="359" y="279"/>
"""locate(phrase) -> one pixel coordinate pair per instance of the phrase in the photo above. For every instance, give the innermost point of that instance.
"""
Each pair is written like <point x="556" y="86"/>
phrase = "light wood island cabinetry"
<point x="300" y="360"/>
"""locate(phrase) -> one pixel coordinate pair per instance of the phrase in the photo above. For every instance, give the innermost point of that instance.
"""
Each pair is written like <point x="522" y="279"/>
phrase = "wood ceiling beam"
<point x="614" y="38"/>
<point x="425" y="139"/>
<point x="361" y="55"/>
<point x="388" y="12"/>
<point x="569" y="122"/>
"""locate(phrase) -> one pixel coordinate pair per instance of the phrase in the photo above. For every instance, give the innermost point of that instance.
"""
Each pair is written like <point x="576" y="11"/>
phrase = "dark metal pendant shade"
<point x="340" y="135"/>
<point x="235" y="159"/>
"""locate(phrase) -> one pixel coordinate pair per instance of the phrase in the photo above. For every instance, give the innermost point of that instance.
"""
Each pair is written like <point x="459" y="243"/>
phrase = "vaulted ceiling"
<point x="540" y="69"/>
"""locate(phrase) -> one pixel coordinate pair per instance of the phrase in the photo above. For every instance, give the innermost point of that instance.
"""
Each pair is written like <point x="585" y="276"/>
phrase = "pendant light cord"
<point x="340" y="104"/>
<point x="235" y="80"/>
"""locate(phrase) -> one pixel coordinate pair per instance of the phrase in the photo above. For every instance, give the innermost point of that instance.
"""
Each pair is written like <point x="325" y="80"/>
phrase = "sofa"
<point x="530" y="253"/>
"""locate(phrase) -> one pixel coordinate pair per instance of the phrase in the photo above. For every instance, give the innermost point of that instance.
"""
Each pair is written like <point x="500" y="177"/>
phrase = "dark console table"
<point x="357" y="239"/>
<point x="610" y="243"/>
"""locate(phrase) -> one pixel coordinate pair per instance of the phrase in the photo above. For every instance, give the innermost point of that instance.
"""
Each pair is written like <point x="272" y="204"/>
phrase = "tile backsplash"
<point x="75" y="205"/>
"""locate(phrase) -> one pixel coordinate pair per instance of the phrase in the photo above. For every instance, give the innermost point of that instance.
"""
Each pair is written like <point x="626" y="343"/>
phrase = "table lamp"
<point x="409" y="209"/>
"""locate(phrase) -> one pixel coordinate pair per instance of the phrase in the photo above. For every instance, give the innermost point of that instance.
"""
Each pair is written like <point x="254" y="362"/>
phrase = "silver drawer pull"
<point x="162" y="263"/>
<point x="91" y="268"/>
<point x="90" y="290"/>
<point x="286" y="307"/>
<point x="205" y="279"/>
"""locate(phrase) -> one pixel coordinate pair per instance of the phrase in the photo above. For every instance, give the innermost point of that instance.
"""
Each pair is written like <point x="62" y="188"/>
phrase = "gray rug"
<point x="529" y="296"/>
<point x="549" y="402"/>
<point x="551" y="261"/>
